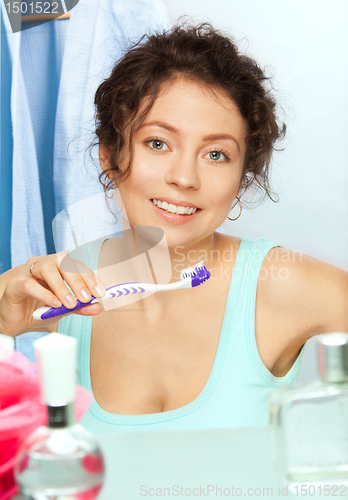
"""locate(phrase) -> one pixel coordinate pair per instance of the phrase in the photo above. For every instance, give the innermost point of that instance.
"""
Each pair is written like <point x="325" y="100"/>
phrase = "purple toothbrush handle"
<point x="53" y="312"/>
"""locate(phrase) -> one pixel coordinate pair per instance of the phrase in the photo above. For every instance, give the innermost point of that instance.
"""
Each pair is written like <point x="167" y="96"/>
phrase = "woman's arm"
<point x="6" y="277"/>
<point x="309" y="295"/>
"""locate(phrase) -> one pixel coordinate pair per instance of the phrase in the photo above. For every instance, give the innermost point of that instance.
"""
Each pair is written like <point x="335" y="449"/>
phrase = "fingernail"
<point x="56" y="303"/>
<point x="85" y="294"/>
<point x="99" y="290"/>
<point x="71" y="300"/>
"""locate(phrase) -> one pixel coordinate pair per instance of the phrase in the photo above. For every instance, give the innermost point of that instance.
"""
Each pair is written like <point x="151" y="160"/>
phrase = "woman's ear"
<point x="246" y="171"/>
<point x="243" y="176"/>
<point x="104" y="157"/>
<point x="242" y="179"/>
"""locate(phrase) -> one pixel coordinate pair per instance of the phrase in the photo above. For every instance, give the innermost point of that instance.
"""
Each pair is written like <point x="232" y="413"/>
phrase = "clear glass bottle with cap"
<point x="62" y="460"/>
<point x="309" y="425"/>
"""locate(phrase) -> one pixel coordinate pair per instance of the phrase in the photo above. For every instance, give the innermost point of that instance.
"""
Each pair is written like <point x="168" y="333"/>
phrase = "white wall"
<point x="305" y="45"/>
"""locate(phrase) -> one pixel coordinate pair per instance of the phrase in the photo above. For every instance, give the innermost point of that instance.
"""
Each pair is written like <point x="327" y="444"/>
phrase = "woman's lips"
<point x="174" y="218"/>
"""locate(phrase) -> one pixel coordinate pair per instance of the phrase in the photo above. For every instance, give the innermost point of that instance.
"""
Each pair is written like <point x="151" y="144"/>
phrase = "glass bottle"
<point x="309" y="425"/>
<point x="63" y="460"/>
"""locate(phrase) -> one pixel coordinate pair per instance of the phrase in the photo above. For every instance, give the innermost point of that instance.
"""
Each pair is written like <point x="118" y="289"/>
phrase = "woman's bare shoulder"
<point x="225" y="241"/>
<point x="310" y="293"/>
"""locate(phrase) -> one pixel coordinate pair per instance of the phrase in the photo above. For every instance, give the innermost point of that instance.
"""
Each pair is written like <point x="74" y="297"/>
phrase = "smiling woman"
<point x="201" y="55"/>
<point x="185" y="125"/>
<point x="177" y="164"/>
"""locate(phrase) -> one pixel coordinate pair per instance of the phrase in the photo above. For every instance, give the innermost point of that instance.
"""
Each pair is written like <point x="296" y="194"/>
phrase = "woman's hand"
<point x="42" y="281"/>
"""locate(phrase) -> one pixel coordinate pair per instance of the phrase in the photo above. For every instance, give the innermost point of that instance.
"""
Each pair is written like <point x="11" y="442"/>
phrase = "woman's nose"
<point x="183" y="172"/>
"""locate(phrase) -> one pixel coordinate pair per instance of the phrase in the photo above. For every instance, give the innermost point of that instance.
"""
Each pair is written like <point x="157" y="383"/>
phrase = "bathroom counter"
<point x="223" y="463"/>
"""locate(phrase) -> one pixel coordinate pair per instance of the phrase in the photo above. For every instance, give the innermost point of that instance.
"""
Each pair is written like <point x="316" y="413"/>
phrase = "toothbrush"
<point x="189" y="278"/>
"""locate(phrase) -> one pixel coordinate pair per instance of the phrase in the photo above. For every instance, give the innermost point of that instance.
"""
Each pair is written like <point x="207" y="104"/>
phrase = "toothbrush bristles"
<point x="192" y="271"/>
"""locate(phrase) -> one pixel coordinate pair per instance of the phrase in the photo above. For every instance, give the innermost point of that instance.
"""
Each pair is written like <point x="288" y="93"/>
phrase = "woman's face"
<point x="188" y="156"/>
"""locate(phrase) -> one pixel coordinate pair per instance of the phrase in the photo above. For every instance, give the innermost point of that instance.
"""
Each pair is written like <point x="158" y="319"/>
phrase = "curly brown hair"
<point x="200" y="53"/>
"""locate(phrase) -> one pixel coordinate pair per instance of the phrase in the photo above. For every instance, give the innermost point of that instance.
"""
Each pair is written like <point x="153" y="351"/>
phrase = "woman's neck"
<point x="183" y="257"/>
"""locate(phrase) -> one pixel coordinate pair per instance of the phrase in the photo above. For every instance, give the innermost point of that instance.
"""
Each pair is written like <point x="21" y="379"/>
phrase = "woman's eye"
<point x="218" y="155"/>
<point x="157" y="144"/>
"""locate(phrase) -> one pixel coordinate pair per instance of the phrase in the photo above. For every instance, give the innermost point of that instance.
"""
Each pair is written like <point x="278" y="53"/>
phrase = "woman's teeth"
<point x="173" y="208"/>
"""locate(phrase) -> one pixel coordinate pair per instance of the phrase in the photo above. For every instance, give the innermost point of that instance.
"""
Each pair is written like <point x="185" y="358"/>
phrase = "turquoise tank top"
<point x="239" y="384"/>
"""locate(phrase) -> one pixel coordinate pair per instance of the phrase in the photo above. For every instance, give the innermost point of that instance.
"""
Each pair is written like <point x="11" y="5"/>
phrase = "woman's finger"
<point x="90" y="310"/>
<point x="82" y="286"/>
<point x="20" y="288"/>
<point x="48" y="272"/>
<point x="78" y="275"/>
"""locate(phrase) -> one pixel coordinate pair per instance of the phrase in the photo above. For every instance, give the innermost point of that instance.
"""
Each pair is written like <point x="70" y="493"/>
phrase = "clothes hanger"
<point x="44" y="17"/>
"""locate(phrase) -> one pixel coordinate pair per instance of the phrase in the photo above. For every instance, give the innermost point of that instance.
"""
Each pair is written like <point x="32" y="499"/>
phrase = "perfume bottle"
<point x="62" y="460"/>
<point x="309" y="424"/>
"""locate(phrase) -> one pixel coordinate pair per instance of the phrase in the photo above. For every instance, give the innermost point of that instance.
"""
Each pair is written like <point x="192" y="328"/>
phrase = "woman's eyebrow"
<point x="159" y="124"/>
<point x="210" y="137"/>
<point x="216" y="137"/>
